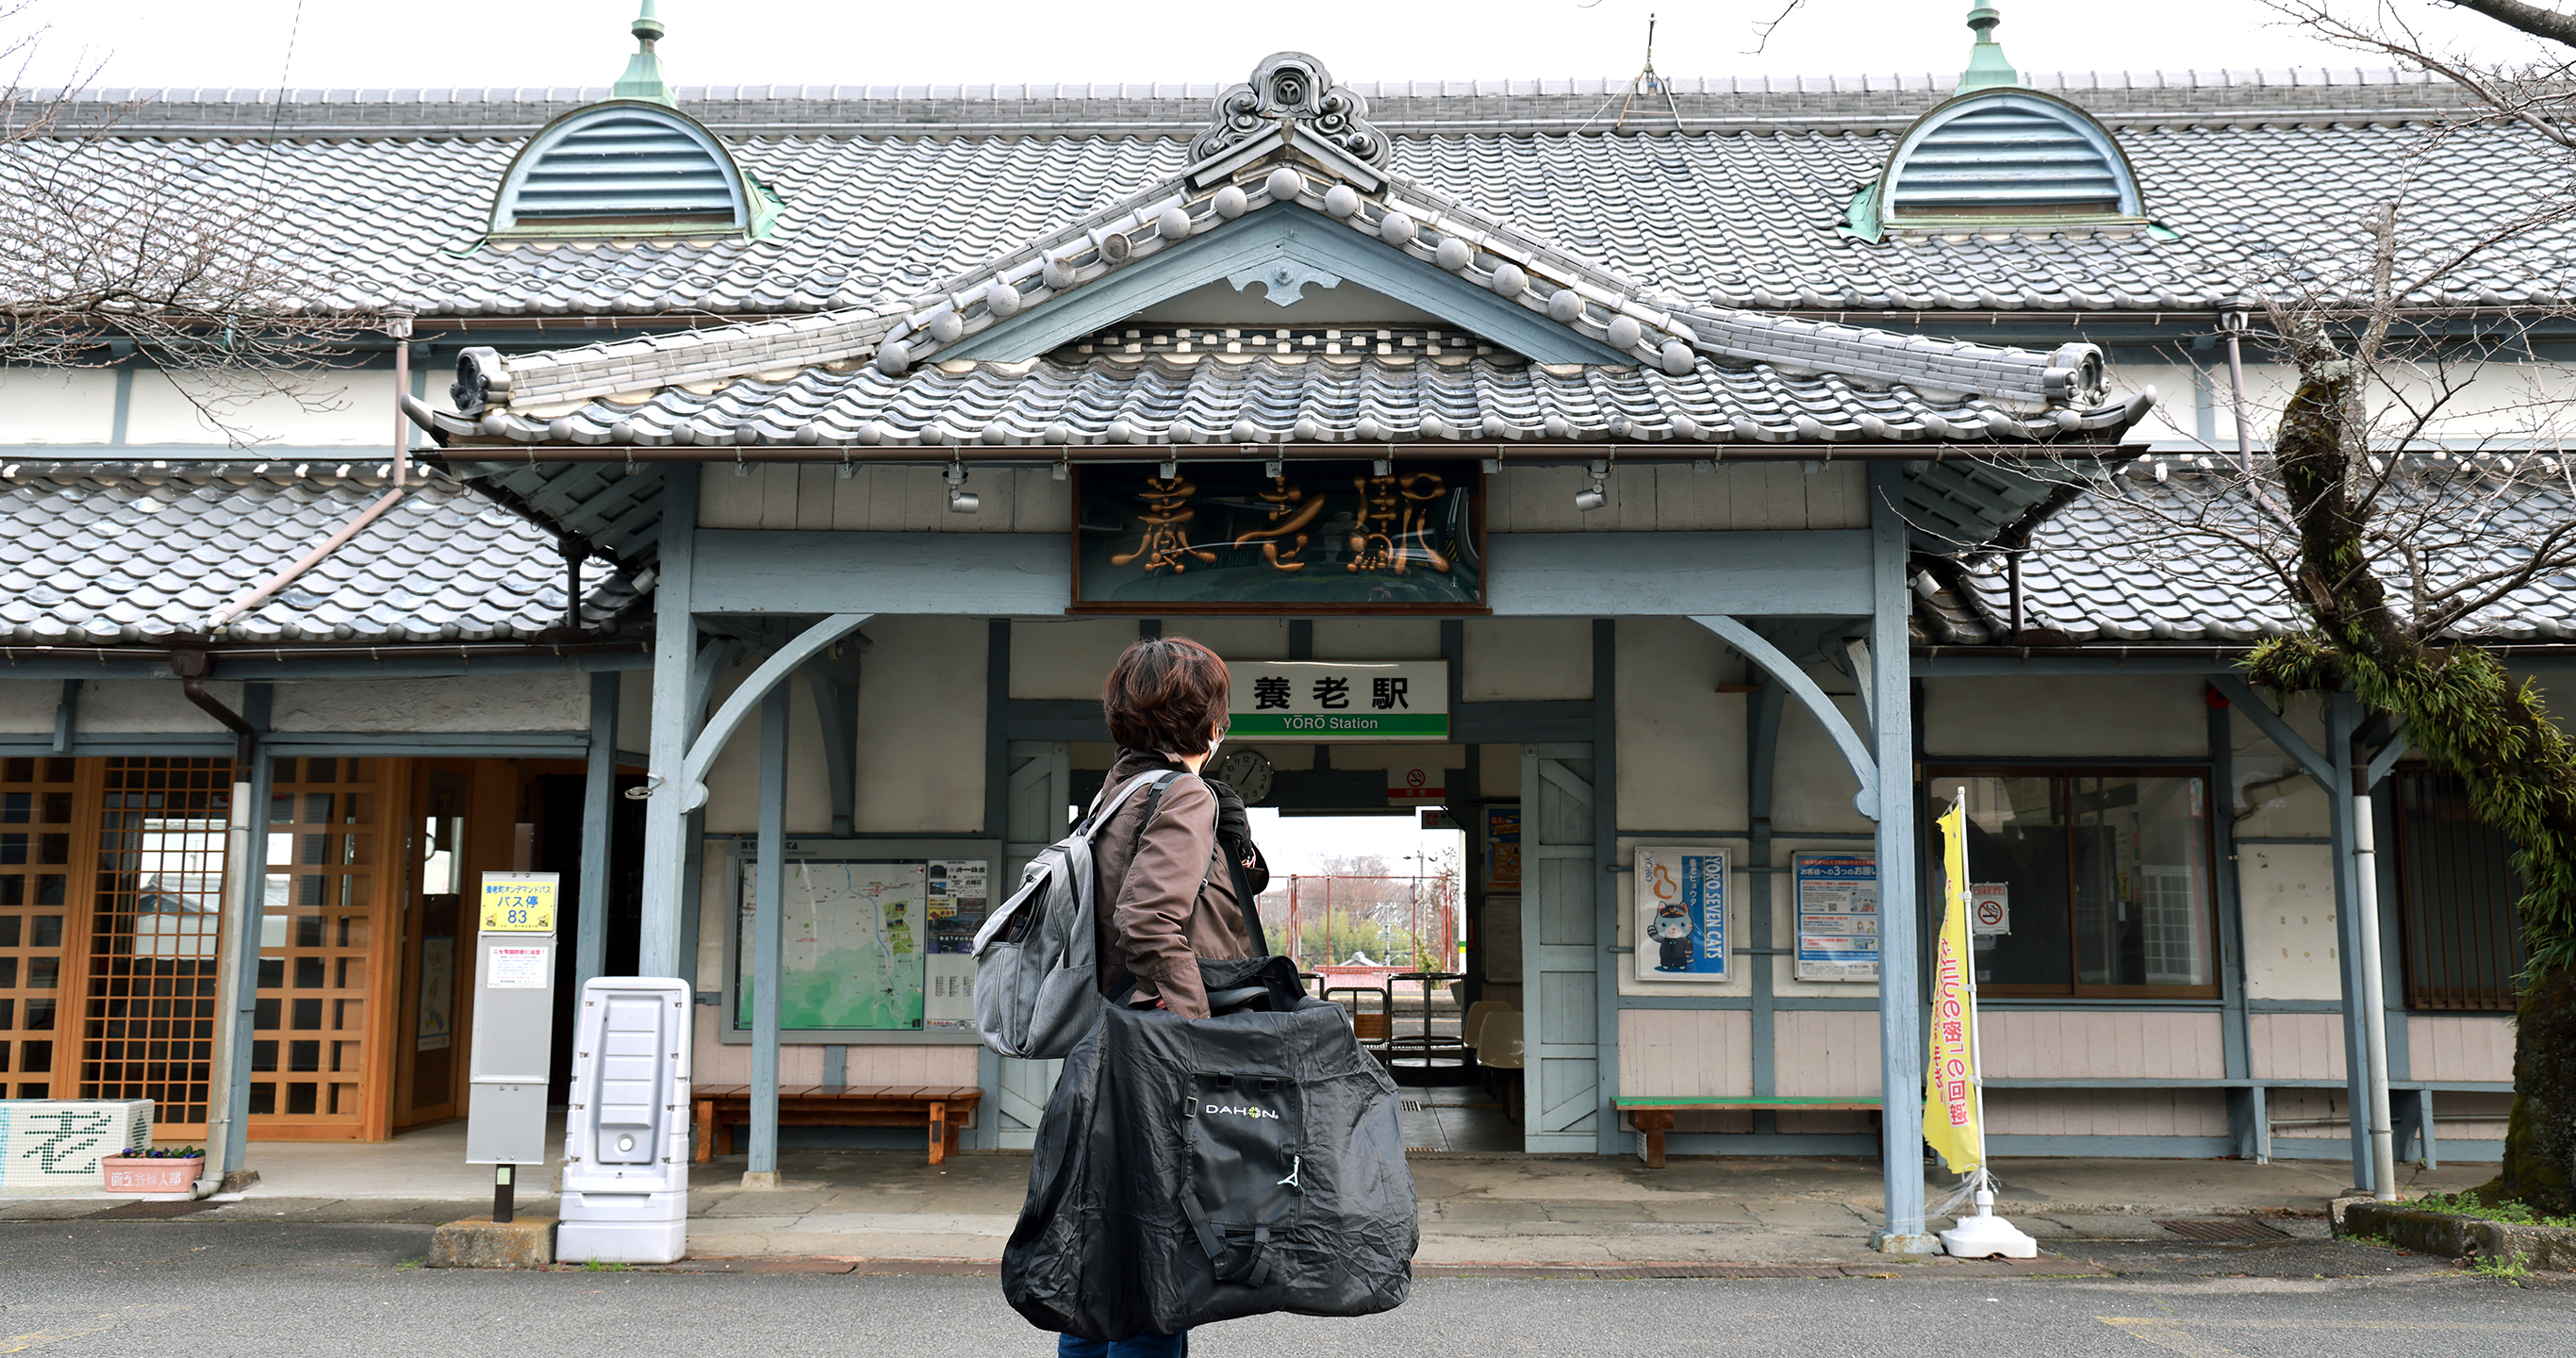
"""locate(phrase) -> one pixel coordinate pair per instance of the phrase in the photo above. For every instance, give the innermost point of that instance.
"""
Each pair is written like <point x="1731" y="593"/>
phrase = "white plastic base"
<point x="621" y="1242"/>
<point x="1982" y="1237"/>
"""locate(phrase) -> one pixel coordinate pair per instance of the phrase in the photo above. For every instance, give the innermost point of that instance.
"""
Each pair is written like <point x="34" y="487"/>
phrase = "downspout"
<point x="399" y="328"/>
<point x="2233" y="324"/>
<point x="232" y="912"/>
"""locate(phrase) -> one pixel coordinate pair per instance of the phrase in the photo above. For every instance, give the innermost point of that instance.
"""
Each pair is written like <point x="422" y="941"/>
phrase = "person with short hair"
<point x="1167" y="882"/>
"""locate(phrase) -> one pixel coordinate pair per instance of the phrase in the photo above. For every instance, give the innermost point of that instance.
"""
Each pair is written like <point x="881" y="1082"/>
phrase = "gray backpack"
<point x="1037" y="959"/>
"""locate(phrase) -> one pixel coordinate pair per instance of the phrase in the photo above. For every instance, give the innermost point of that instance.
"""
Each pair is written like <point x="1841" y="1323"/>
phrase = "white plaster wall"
<point x="1377" y="639"/>
<point x="27" y="705"/>
<point x="340" y="408"/>
<point x="145" y="707"/>
<point x="2273" y="793"/>
<point x="1680" y="498"/>
<point x="1501" y="769"/>
<point x="1681" y="742"/>
<point x="2055" y="715"/>
<point x="733" y="781"/>
<point x="1526" y="659"/>
<point x="57" y="405"/>
<point x="2291" y="947"/>
<point x="1064" y="657"/>
<point x="882" y="499"/>
<point x="1235" y="638"/>
<point x="1812" y="788"/>
<point x="499" y="702"/>
<point x="921" y="726"/>
<point x="635" y="714"/>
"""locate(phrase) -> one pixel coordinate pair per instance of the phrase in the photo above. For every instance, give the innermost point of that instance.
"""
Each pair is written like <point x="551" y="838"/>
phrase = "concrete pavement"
<point x="1475" y="1209"/>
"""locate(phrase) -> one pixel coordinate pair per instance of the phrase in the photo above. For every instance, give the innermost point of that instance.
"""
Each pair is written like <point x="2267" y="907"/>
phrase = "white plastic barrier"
<point x="626" y="1140"/>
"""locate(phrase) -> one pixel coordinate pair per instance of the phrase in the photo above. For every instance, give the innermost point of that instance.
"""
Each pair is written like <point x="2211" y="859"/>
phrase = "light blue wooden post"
<point x="675" y="655"/>
<point x="767" y="933"/>
<point x="598" y="815"/>
<point x="1900" y="996"/>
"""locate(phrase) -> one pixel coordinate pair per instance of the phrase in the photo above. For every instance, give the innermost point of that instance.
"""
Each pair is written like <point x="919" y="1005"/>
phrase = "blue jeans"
<point x="1142" y="1346"/>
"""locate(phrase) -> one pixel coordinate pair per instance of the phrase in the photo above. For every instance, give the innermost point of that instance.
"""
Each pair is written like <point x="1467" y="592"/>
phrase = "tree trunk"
<point x="2540" y="1141"/>
<point x="2466" y="714"/>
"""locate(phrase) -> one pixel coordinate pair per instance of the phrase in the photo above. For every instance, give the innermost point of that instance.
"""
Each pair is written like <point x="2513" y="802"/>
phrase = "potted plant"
<point x="153" y="1169"/>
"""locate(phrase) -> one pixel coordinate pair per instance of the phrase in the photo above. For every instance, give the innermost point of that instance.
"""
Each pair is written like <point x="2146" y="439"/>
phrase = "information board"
<point x="1681" y="915"/>
<point x="1837" y="896"/>
<point x="850" y="945"/>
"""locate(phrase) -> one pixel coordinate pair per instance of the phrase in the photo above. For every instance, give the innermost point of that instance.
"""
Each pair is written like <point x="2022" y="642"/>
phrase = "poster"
<point x="1681" y="915"/>
<point x="1503" y="840"/>
<point x="437" y="995"/>
<point x="948" y="992"/>
<point x="1837" y="904"/>
<point x="850" y="945"/>
<point x="959" y="895"/>
<point x="519" y="969"/>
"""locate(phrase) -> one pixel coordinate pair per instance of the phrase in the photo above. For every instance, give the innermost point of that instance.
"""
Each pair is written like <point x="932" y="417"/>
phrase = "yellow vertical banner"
<point x="1951" y="1108"/>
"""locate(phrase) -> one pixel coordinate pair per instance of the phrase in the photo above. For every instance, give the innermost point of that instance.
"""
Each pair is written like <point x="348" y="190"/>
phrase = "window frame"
<point x="2076" y="990"/>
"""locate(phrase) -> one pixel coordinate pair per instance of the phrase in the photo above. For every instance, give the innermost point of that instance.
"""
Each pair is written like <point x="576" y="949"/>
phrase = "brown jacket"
<point x="1167" y="899"/>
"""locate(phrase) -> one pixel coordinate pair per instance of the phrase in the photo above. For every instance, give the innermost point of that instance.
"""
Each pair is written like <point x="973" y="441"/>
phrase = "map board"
<point x="864" y="945"/>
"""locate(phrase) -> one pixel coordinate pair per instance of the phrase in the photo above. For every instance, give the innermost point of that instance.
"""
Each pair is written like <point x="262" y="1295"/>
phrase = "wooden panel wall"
<point x="1674" y="498"/>
<point x="2081" y="1044"/>
<point x="2294" y="1046"/>
<point x="882" y="499"/>
<point x="2106" y="1112"/>
<point x="801" y="1063"/>
<point x="1825" y="1052"/>
<point x="2459" y="1047"/>
<point x="1686" y="1052"/>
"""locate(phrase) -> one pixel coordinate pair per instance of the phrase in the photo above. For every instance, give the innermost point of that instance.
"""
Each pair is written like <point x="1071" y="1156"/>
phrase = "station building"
<point x="1751" y="479"/>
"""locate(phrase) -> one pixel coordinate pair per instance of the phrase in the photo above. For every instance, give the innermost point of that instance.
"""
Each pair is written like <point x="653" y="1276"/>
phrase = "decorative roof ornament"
<point x="1292" y="87"/>
<point x="1988" y="67"/>
<point x="643" y="79"/>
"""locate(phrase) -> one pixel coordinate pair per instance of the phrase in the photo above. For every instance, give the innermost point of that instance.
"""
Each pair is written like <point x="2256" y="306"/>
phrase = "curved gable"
<point x="2007" y="156"/>
<point x="624" y="167"/>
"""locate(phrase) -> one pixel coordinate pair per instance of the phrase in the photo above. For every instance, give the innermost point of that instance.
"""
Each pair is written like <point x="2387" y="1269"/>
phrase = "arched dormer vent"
<point x="2001" y="158"/>
<point x="627" y="167"/>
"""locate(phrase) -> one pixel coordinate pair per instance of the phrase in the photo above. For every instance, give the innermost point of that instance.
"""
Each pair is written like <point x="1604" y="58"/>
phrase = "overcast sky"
<point x="371" y="44"/>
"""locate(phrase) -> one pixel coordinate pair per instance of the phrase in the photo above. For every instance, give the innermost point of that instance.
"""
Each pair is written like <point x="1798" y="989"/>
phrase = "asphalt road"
<point x="77" y="1288"/>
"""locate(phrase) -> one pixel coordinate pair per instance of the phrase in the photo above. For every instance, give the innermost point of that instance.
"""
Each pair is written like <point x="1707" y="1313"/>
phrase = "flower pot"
<point x="147" y="1174"/>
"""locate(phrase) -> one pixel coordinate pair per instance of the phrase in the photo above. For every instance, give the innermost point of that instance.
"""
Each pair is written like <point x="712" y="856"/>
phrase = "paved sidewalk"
<point x="1475" y="1209"/>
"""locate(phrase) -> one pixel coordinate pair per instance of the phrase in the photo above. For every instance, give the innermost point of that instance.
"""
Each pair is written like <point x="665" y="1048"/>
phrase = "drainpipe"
<point x="2233" y="324"/>
<point x="233" y="914"/>
<point x="399" y="327"/>
<point x="2374" y="1007"/>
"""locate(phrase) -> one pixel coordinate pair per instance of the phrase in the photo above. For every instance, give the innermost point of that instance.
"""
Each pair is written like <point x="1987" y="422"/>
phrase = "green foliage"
<point x="2512" y="1270"/>
<point x="2474" y="1203"/>
<point x="604" y="1266"/>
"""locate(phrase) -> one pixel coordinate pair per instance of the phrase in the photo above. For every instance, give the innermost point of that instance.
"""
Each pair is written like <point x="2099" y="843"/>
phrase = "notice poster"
<point x="948" y="992"/>
<point x="1681" y="915"/>
<point x="519" y="969"/>
<point x="958" y="898"/>
<point x="1837" y="901"/>
<point x="1503" y="839"/>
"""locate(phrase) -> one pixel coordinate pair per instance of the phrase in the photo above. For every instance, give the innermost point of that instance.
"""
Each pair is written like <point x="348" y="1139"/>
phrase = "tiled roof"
<point x="1738" y="217"/>
<point x="2102" y="570"/>
<point x="101" y="553"/>
<point x="1248" y="397"/>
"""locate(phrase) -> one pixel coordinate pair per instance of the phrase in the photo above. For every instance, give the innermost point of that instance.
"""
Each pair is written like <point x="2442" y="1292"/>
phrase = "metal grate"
<point x="310" y="1043"/>
<point x="150" y="1016"/>
<point x="2222" y="1228"/>
<point x="2456" y="891"/>
<point x="36" y="805"/>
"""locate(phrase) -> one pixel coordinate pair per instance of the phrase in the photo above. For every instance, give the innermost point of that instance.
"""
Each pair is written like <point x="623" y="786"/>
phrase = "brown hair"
<point x="1165" y="694"/>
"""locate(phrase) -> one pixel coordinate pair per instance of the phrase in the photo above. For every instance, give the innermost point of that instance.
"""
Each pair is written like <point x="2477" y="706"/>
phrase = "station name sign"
<point x="1396" y="700"/>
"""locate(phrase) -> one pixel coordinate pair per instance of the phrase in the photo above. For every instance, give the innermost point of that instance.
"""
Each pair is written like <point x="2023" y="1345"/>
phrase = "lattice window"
<point x="36" y="801"/>
<point x="310" y="1044"/>
<point x="150" y="1017"/>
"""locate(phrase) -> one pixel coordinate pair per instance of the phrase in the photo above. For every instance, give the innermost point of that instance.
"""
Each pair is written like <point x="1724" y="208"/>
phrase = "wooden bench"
<point x="1654" y="1114"/>
<point x="940" y="1108"/>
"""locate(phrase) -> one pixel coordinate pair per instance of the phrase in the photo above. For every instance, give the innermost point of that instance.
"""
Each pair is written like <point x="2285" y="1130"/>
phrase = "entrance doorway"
<point x="429" y="1033"/>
